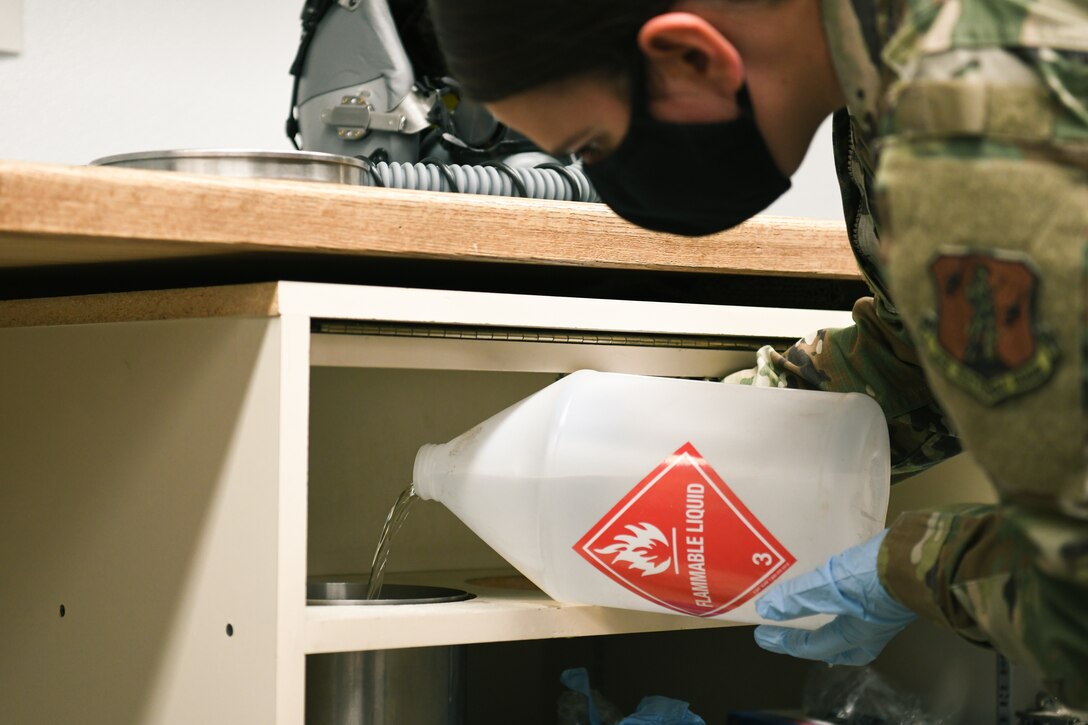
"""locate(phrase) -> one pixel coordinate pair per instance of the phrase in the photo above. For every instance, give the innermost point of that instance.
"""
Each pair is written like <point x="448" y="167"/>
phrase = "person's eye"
<point x="592" y="152"/>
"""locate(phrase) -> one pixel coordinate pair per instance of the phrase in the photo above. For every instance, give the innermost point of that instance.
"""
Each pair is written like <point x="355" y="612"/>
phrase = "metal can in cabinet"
<point x="383" y="687"/>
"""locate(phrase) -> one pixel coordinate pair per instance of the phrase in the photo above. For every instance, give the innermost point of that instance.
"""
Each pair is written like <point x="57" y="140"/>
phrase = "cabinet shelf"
<point x="495" y="614"/>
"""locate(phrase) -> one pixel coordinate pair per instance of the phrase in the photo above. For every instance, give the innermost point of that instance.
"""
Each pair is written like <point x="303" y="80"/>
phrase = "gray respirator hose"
<point x="551" y="181"/>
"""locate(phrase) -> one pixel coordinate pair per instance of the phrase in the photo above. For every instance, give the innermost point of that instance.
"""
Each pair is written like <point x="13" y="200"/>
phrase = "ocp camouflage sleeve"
<point x="1010" y="577"/>
<point x="964" y="166"/>
<point x="873" y="357"/>
<point x="982" y="184"/>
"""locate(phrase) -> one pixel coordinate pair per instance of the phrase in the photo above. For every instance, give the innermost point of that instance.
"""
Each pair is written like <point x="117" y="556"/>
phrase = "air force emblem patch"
<point x="983" y="334"/>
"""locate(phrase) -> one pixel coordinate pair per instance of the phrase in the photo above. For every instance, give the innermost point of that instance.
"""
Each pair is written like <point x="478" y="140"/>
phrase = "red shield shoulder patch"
<point x="983" y="334"/>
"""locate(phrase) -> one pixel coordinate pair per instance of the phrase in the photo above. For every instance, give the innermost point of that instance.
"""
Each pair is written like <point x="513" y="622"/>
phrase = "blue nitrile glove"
<point x="653" y="710"/>
<point x="657" y="710"/>
<point x="577" y="679"/>
<point x="846" y="585"/>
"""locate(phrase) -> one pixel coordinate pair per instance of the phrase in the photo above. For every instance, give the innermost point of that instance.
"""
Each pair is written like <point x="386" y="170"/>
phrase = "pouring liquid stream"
<point x="393" y="522"/>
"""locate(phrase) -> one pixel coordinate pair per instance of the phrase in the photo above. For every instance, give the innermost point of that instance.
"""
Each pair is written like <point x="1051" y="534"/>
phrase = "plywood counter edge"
<point x="250" y="300"/>
<point x="51" y="214"/>
<point x="394" y="304"/>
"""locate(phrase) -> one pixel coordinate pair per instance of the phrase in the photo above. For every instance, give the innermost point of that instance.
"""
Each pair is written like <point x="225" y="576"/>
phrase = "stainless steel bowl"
<point x="246" y="163"/>
<point x="353" y="593"/>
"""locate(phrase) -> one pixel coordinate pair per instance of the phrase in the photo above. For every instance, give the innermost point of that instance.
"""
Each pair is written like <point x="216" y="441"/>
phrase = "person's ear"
<point x="693" y="71"/>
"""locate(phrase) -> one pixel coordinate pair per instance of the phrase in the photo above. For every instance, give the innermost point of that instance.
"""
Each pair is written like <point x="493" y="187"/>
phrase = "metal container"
<point x="244" y="163"/>
<point x="385" y="687"/>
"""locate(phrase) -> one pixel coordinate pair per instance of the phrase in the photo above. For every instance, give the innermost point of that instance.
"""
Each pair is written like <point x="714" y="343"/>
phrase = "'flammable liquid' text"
<point x="696" y="551"/>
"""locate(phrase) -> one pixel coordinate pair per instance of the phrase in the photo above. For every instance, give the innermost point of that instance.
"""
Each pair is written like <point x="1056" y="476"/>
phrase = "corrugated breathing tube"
<point x="546" y="181"/>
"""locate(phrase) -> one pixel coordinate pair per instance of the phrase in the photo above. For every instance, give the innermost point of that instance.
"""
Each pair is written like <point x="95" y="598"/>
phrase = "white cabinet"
<point x="174" y="464"/>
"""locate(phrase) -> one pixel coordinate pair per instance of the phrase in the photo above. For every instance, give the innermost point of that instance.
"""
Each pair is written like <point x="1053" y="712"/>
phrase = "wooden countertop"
<point x="60" y="216"/>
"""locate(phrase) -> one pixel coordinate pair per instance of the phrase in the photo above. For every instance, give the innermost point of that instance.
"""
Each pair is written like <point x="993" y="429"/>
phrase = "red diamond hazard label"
<point x="682" y="538"/>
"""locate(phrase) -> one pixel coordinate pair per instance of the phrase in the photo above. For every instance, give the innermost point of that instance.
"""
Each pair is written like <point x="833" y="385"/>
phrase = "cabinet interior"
<point x="376" y="398"/>
<point x="366" y="426"/>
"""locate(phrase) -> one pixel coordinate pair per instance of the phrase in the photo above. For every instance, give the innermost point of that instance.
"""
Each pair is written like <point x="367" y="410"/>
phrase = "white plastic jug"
<point x="666" y="495"/>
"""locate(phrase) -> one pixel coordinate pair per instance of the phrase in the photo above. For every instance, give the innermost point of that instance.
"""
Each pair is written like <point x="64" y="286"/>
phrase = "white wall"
<point x="815" y="191"/>
<point x="105" y="77"/>
<point x="114" y="76"/>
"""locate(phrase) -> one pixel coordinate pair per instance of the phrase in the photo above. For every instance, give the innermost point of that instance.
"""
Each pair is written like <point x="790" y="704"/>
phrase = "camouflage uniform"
<point x="965" y="144"/>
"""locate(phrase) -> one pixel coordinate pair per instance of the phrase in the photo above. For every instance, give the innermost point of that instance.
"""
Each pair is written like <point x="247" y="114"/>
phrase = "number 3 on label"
<point x="762" y="559"/>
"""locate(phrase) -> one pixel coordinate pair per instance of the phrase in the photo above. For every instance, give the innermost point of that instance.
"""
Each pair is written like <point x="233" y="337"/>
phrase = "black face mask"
<point x="693" y="178"/>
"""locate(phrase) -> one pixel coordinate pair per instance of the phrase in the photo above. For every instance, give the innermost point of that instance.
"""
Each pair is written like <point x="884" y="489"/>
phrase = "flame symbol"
<point x="641" y="549"/>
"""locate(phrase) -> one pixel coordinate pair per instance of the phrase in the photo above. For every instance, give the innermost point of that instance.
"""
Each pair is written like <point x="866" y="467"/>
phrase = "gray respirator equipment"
<point x="369" y="82"/>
